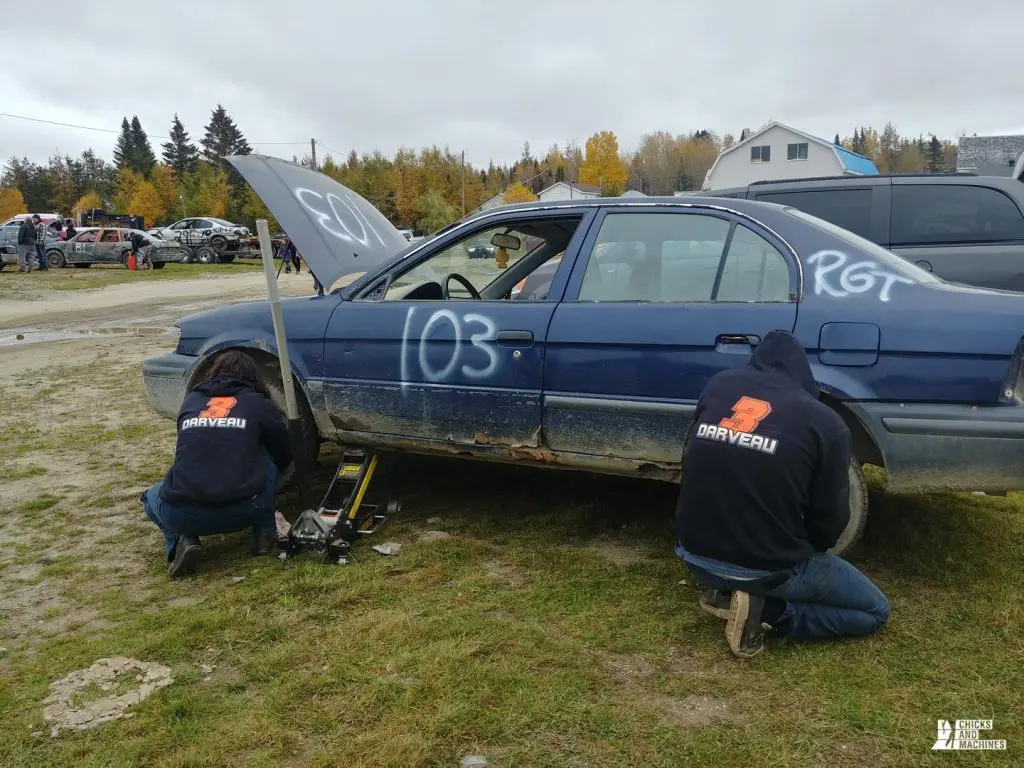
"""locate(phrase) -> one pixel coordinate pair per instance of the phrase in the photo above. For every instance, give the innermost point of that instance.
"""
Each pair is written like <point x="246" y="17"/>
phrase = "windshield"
<point x="889" y="259"/>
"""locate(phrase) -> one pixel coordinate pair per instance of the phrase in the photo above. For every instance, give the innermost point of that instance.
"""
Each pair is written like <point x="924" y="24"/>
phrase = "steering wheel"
<point x="473" y="292"/>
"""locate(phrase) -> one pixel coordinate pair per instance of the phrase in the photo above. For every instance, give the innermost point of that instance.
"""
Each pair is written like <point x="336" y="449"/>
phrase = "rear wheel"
<point x="56" y="259"/>
<point x="218" y="243"/>
<point x="858" y="510"/>
<point x="206" y="255"/>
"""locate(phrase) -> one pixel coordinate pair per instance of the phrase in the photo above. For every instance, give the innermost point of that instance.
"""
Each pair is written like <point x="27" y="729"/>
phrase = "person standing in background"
<point x="27" y="243"/>
<point x="41" y="244"/>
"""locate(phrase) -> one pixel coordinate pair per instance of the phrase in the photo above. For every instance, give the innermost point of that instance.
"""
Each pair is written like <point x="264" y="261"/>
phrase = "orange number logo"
<point x="746" y="415"/>
<point x="218" y="407"/>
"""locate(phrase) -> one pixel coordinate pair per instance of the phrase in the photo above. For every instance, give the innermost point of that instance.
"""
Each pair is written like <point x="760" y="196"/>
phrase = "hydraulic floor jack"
<point x="343" y="516"/>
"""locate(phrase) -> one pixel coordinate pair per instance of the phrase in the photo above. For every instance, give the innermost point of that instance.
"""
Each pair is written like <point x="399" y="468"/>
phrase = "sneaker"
<point x="743" y="628"/>
<point x="185" y="559"/>
<point x="716" y="602"/>
<point x="264" y="544"/>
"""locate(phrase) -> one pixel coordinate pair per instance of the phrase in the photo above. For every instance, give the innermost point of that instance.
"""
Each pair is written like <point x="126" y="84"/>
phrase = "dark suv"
<point x="964" y="228"/>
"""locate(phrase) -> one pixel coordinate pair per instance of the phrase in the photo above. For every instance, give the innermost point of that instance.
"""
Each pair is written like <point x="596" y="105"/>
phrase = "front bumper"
<point x="939" y="447"/>
<point x="166" y="379"/>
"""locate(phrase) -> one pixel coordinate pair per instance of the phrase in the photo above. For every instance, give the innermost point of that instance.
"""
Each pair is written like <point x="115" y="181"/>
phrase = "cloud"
<point x="485" y="77"/>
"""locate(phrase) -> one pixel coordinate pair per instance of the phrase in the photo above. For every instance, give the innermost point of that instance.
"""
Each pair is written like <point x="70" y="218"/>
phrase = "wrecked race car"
<point x="430" y="350"/>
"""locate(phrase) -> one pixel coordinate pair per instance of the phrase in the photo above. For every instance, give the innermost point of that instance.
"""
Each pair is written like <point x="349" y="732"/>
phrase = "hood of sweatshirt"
<point x="780" y="352"/>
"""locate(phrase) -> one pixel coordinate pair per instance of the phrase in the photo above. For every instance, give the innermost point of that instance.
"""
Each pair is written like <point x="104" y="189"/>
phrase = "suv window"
<point x="682" y="257"/>
<point x="846" y="208"/>
<point x="953" y="213"/>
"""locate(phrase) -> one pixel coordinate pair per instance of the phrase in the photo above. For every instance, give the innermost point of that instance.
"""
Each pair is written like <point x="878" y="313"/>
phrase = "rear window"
<point x="846" y="208"/>
<point x="953" y="213"/>
<point x="889" y="259"/>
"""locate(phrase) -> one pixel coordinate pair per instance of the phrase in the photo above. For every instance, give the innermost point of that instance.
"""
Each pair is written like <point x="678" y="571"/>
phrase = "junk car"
<point x="427" y="350"/>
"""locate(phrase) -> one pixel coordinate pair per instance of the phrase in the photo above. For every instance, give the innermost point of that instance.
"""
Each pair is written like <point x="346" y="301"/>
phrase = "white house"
<point x="564" y="190"/>
<point x="780" y="152"/>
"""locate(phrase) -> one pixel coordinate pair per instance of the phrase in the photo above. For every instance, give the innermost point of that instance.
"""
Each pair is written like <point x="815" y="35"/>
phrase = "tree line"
<point x="421" y="190"/>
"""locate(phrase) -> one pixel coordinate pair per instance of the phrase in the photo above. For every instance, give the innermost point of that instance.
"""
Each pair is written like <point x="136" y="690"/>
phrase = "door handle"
<point x="514" y="338"/>
<point x="736" y="343"/>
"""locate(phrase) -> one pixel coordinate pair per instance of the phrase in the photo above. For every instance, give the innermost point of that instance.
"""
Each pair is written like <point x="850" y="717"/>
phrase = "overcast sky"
<point x="484" y="76"/>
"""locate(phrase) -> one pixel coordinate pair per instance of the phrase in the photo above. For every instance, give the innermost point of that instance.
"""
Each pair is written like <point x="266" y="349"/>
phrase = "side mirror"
<point x="510" y="242"/>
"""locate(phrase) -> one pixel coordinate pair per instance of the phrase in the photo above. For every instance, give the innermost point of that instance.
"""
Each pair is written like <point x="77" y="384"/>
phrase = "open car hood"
<point x="336" y="231"/>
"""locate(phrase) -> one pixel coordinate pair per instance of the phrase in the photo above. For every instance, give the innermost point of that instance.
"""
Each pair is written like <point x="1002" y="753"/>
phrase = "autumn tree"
<point x="256" y="209"/>
<point x="180" y="153"/>
<point x="517" y="193"/>
<point x="212" y="191"/>
<point x="146" y="202"/>
<point x="602" y="165"/>
<point x="728" y="140"/>
<point x="437" y="212"/>
<point x="11" y="203"/>
<point x="90" y="201"/>
<point x="124" y="189"/>
<point x="165" y="183"/>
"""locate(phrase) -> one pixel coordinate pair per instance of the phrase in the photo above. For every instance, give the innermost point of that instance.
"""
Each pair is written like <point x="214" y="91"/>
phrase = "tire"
<point x="159" y="264"/>
<point x="858" y="510"/>
<point x="218" y="243"/>
<point x="82" y="266"/>
<point x="310" y="435"/>
<point x="56" y="259"/>
<point x="189" y="257"/>
<point x="227" y="258"/>
<point x="206" y="255"/>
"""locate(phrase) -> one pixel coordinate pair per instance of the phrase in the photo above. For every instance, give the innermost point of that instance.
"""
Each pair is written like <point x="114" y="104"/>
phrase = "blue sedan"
<point x="428" y="349"/>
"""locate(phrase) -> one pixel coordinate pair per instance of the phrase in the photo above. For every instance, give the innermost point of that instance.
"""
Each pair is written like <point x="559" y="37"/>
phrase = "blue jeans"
<point x="256" y="512"/>
<point x="41" y="257"/>
<point x="825" y="597"/>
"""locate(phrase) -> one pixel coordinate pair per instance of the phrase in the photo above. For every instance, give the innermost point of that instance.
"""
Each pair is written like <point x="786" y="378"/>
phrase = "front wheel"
<point x="310" y="435"/>
<point x="56" y="259"/>
<point x="159" y="264"/>
<point x="858" y="510"/>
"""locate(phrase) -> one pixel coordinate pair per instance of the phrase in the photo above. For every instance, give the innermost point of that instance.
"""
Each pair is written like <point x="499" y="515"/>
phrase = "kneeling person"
<point x="765" y="494"/>
<point x="232" y="443"/>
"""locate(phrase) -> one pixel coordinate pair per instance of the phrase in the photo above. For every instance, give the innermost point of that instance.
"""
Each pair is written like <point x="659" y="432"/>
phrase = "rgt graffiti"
<point x="477" y="361"/>
<point x="833" y="276"/>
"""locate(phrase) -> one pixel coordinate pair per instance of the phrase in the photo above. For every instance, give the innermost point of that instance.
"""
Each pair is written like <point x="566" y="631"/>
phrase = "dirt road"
<point x="139" y="303"/>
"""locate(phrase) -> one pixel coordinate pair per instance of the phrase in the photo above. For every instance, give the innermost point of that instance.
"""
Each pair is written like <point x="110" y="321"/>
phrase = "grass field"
<point x="553" y="627"/>
<point x="14" y="283"/>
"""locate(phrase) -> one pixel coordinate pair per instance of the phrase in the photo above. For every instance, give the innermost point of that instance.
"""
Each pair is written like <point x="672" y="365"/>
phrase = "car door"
<point x="659" y="301"/>
<point x="80" y="249"/>
<point x="403" y="361"/>
<point x="964" y="233"/>
<point x="107" y="250"/>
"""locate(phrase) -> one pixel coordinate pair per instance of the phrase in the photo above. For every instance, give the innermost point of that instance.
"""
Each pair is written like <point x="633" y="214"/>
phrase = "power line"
<point x="328" y="148"/>
<point x="111" y="130"/>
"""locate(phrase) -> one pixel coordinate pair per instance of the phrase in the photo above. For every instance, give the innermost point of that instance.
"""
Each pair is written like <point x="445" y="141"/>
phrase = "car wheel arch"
<point x="864" y="447"/>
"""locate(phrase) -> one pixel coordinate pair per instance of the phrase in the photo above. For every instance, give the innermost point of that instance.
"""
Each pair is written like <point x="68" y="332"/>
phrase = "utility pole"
<point x="463" y="183"/>
<point x="312" y="149"/>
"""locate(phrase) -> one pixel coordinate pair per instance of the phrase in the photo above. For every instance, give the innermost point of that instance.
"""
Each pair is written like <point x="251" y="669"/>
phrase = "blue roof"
<point x="853" y="162"/>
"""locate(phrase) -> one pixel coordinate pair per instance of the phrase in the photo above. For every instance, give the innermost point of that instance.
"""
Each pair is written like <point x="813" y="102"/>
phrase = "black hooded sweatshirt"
<point x="225" y="429"/>
<point x="765" y="467"/>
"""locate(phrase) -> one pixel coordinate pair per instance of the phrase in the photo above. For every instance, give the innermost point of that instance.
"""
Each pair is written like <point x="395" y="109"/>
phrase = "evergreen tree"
<point x="934" y="155"/>
<point x="223" y="138"/>
<point x="837" y="142"/>
<point x="142" y="152"/>
<point x="743" y="135"/>
<point x="179" y="153"/>
<point x="858" y="141"/>
<point x="123" y="148"/>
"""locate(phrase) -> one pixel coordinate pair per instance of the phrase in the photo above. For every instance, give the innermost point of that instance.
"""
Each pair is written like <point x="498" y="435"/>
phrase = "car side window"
<point x="110" y="236"/>
<point x="202" y="224"/>
<point x="754" y="270"/>
<point x="512" y="260"/>
<point x="181" y="224"/>
<point x="682" y="257"/>
<point x="846" y="208"/>
<point x="87" y="237"/>
<point x="953" y="213"/>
